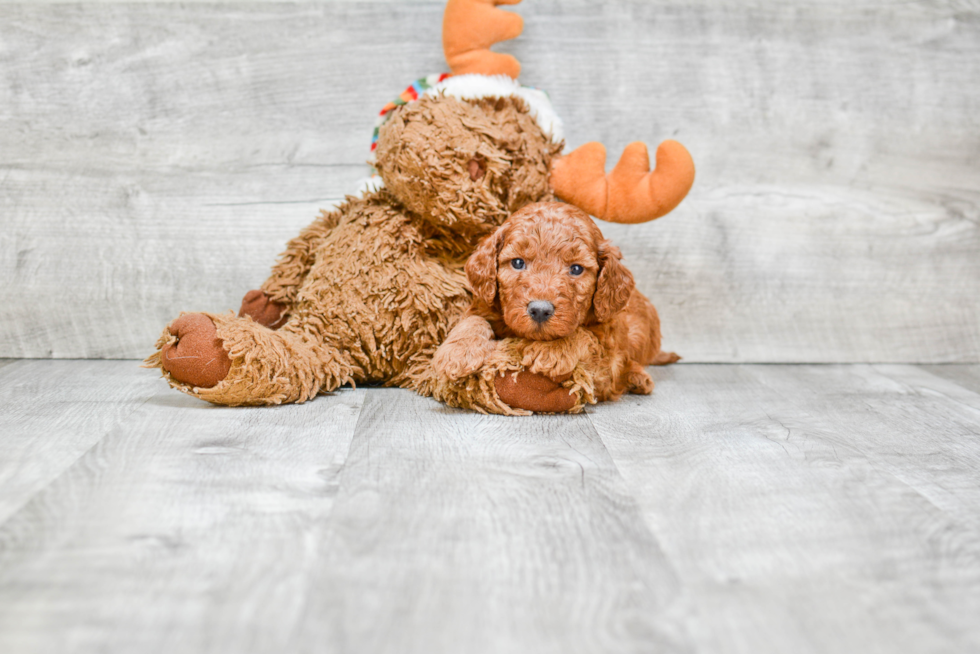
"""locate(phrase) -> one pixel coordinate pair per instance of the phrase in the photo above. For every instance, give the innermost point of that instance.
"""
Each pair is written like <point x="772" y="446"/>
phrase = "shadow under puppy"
<point x="548" y="287"/>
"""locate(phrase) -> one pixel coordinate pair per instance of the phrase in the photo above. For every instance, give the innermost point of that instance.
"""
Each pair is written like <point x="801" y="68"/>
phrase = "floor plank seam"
<point x="68" y="468"/>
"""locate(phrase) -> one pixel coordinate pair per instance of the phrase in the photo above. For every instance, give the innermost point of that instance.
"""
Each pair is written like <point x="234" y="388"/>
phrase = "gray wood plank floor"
<point x="741" y="508"/>
<point x="967" y="376"/>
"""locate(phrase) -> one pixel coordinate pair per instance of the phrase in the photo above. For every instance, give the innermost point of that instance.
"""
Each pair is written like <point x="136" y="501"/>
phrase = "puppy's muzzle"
<point x="540" y="311"/>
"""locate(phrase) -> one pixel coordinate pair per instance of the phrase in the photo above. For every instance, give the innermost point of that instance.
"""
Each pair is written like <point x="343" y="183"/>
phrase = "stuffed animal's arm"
<point x="295" y="262"/>
<point x="546" y="376"/>
<point x="559" y="357"/>
<point x="466" y="348"/>
<point x="529" y="391"/>
<point x="270" y="305"/>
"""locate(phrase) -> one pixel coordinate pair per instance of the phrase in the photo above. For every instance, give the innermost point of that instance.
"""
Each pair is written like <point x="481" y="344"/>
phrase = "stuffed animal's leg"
<point x="236" y="361"/>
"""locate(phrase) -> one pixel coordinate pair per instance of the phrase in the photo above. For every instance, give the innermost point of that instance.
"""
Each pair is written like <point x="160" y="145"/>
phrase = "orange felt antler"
<point x="470" y="27"/>
<point x="631" y="193"/>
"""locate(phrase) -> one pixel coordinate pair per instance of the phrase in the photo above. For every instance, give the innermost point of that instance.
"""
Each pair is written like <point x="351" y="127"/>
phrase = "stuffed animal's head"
<point x="465" y="163"/>
<point x="547" y="270"/>
<point x="478" y="146"/>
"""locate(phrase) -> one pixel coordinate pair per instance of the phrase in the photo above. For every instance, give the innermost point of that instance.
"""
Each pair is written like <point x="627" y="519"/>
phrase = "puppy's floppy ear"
<point x="615" y="283"/>
<point x="481" y="267"/>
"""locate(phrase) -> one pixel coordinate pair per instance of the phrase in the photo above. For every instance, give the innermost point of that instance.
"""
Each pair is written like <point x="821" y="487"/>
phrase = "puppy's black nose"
<point x="540" y="311"/>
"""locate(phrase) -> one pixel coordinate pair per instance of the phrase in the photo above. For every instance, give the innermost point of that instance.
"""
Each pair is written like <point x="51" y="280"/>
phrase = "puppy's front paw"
<point x="467" y="347"/>
<point x="457" y="360"/>
<point x="558" y="357"/>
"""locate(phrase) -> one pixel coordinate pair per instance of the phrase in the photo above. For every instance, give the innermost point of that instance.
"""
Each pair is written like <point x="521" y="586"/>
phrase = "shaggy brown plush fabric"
<point x="452" y="166"/>
<point x="370" y="290"/>
<point x="549" y="284"/>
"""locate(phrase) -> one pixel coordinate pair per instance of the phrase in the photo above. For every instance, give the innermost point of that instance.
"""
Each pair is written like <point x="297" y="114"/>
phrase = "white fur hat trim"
<point x="474" y="87"/>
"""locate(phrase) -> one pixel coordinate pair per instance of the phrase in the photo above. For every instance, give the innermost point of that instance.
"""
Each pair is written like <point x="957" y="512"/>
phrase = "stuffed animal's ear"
<point x="481" y="267"/>
<point x="615" y="283"/>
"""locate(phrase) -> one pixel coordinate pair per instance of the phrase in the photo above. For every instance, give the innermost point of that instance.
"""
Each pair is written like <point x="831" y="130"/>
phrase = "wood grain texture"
<point x="187" y="528"/>
<point x="202" y="529"/>
<point x="465" y="533"/>
<point x="966" y="376"/>
<point x="92" y="289"/>
<point x="737" y="509"/>
<point x="154" y="158"/>
<point x="53" y="412"/>
<point x="810" y="508"/>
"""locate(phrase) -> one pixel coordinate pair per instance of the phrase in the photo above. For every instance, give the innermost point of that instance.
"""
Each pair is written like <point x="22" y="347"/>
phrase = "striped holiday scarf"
<point x="410" y="94"/>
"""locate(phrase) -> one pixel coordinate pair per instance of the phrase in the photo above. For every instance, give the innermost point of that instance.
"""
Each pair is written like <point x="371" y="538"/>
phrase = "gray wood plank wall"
<point x="155" y="157"/>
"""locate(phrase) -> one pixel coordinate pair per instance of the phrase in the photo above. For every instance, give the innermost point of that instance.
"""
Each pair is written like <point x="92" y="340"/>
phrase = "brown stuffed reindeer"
<point x="368" y="291"/>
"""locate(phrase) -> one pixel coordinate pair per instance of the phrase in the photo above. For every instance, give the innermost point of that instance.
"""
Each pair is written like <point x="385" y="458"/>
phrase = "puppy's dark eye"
<point x="576" y="269"/>
<point x="517" y="264"/>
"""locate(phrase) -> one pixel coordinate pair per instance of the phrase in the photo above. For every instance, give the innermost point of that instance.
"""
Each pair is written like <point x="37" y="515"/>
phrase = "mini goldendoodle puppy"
<point x="547" y="280"/>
